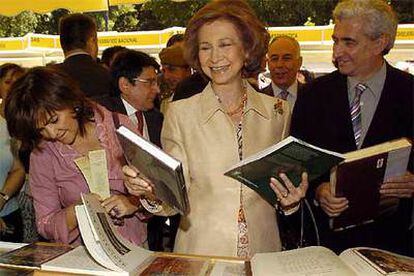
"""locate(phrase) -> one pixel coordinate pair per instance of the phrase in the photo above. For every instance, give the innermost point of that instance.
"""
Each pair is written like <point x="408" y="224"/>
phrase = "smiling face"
<point x="221" y="52"/>
<point x="142" y="92"/>
<point x="354" y="53"/>
<point x="60" y="126"/>
<point x="284" y="62"/>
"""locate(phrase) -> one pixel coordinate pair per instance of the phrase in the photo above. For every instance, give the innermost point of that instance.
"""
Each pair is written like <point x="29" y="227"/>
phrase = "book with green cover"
<point x="290" y="156"/>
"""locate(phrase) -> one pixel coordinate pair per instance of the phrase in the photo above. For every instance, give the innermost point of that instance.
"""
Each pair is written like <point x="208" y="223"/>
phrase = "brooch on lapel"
<point x="278" y="107"/>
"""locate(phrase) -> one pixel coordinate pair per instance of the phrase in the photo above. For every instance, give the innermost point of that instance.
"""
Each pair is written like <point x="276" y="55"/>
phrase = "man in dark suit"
<point x="134" y="74"/>
<point x="284" y="62"/>
<point x="79" y="41"/>
<point x="383" y="95"/>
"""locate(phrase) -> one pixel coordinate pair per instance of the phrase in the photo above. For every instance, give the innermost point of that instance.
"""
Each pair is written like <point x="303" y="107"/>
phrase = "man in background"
<point x="79" y="41"/>
<point x="174" y="69"/>
<point x="134" y="75"/>
<point x="380" y="98"/>
<point x="284" y="62"/>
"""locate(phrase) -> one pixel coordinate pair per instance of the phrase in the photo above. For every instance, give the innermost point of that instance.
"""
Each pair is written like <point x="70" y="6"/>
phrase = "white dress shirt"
<point x="131" y="114"/>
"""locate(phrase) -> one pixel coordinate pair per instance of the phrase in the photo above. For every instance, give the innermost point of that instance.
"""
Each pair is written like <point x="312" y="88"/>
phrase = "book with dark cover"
<point x="33" y="255"/>
<point x="290" y="156"/>
<point x="164" y="171"/>
<point x="359" y="179"/>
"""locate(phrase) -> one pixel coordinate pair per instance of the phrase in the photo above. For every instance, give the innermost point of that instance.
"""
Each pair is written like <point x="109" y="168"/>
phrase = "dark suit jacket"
<point x="321" y="117"/>
<point x="93" y="79"/>
<point x="190" y="86"/>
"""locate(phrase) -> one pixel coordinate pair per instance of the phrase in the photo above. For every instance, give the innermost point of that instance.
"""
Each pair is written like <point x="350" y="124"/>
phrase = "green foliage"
<point x="168" y="13"/>
<point x="18" y="25"/>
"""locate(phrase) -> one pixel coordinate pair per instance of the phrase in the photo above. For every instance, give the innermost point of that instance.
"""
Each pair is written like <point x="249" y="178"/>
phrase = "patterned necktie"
<point x="356" y="113"/>
<point x="283" y="95"/>
<point x="140" y="122"/>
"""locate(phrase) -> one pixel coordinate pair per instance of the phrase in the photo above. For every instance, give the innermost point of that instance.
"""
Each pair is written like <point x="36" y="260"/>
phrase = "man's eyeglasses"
<point x="151" y="82"/>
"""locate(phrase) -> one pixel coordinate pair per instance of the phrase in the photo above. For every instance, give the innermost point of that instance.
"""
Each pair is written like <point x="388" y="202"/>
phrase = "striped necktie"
<point x="283" y="94"/>
<point x="356" y="113"/>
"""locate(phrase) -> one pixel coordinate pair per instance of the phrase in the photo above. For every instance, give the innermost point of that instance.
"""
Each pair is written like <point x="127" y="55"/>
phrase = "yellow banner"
<point x="13" y="7"/>
<point x="12" y="45"/>
<point x="143" y="39"/>
<point x="43" y="42"/>
<point x="159" y="38"/>
<point x="405" y="34"/>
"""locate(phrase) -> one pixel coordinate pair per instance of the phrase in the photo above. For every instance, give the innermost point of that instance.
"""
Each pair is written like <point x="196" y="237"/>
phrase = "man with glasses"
<point x="134" y="75"/>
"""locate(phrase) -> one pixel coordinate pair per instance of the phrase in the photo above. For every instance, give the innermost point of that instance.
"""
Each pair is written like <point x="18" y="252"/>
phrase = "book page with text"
<point x="314" y="260"/>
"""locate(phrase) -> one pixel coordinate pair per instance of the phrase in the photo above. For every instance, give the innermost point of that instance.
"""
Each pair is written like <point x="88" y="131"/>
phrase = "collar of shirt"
<point x="293" y="90"/>
<point x="211" y="105"/>
<point x="77" y="52"/>
<point x="128" y="107"/>
<point x="131" y="115"/>
<point x="375" y="84"/>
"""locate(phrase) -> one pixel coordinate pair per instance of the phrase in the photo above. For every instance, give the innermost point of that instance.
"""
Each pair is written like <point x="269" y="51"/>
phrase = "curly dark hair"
<point x="39" y="92"/>
<point x="251" y="30"/>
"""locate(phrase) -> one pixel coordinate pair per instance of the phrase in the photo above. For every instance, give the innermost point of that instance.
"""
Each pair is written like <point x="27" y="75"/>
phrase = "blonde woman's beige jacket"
<point x="198" y="132"/>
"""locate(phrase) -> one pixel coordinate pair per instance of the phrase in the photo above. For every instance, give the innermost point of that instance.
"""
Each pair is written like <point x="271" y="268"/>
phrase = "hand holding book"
<point x="401" y="187"/>
<point x="333" y="206"/>
<point x="289" y="196"/>
<point x="135" y="184"/>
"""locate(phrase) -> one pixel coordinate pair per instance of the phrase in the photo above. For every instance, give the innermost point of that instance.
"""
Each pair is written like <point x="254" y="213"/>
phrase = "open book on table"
<point x="163" y="170"/>
<point x="107" y="253"/>
<point x="317" y="260"/>
<point x="359" y="178"/>
<point x="291" y="156"/>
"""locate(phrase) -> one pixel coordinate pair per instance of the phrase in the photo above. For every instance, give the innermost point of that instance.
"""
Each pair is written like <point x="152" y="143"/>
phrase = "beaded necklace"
<point x="239" y="108"/>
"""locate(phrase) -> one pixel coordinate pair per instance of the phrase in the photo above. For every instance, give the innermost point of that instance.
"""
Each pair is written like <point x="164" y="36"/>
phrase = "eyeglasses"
<point x="151" y="82"/>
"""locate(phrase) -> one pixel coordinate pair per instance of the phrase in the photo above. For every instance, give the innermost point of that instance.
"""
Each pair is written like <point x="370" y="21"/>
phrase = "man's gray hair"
<point x="378" y="18"/>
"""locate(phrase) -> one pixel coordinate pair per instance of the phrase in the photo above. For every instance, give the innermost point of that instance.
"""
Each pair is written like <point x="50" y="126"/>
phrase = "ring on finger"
<point x="284" y="195"/>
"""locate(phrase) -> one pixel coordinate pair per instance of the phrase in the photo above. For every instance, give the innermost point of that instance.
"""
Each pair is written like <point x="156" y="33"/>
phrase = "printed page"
<point x="91" y="240"/>
<point x="357" y="264"/>
<point x="384" y="262"/>
<point x="99" y="173"/>
<point x="221" y="268"/>
<point x="123" y="254"/>
<point x="79" y="261"/>
<point x="314" y="260"/>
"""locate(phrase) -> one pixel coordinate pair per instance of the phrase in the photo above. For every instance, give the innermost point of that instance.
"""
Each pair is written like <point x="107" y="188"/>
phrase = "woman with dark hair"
<point x="12" y="173"/>
<point x="213" y="130"/>
<point x="47" y="111"/>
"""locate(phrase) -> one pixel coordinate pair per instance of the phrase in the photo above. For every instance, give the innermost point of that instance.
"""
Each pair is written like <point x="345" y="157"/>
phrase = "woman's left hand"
<point x="288" y="195"/>
<point x="119" y="206"/>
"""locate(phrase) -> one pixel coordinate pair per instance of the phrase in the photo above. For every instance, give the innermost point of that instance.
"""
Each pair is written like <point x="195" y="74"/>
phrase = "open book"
<point x="291" y="156"/>
<point x="317" y="260"/>
<point x="107" y="253"/>
<point x="164" y="171"/>
<point x="359" y="179"/>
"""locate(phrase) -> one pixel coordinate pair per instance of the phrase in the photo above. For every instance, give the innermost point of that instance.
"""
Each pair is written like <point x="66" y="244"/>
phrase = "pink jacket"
<point x="56" y="183"/>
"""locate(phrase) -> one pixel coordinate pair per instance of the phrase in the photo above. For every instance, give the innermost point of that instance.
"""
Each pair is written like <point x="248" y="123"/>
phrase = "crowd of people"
<point x="204" y="105"/>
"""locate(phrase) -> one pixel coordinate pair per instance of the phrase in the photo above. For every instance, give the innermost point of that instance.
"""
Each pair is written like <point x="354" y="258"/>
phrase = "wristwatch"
<point x="4" y="196"/>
